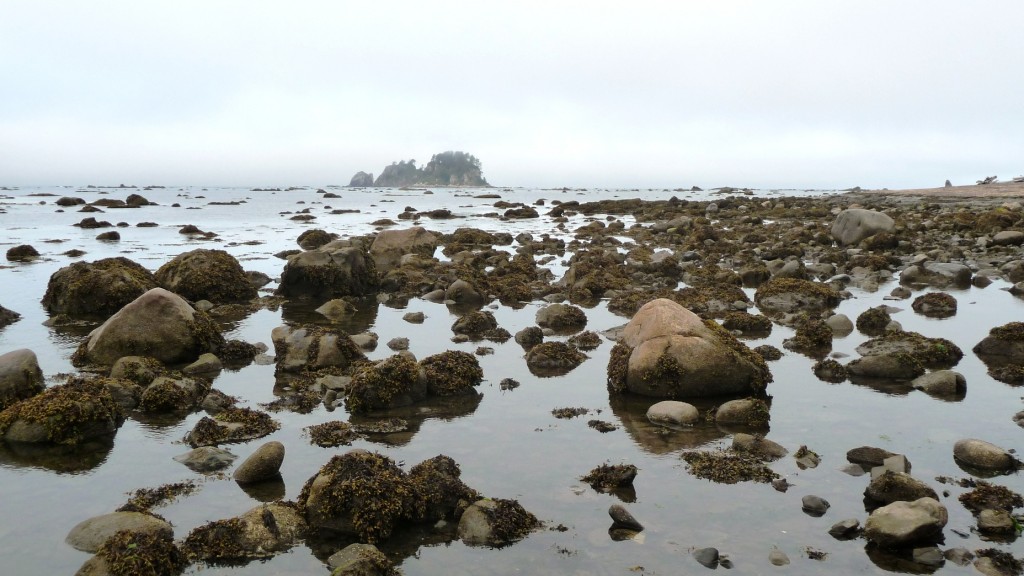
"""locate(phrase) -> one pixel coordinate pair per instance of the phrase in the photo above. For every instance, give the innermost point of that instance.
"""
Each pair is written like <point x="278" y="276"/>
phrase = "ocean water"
<point x="508" y="444"/>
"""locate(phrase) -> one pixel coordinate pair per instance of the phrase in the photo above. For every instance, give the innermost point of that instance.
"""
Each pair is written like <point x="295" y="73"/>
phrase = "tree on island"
<point x="451" y="168"/>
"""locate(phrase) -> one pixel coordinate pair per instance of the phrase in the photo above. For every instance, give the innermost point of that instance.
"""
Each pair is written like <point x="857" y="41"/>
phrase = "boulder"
<point x="790" y="295"/>
<point x="941" y="383"/>
<point x="561" y="317"/>
<point x="8" y="317"/>
<point x="166" y="394"/>
<point x="212" y="275"/>
<point x="1008" y="238"/>
<point x="667" y="351"/>
<point x="64" y="414"/>
<point x="159" y="324"/>
<point x="20" y="376"/>
<point x="301" y="349"/>
<point x="672" y="413"/>
<point x="935" y="305"/>
<point x="263" y="464"/>
<point x="937" y="274"/>
<point x="360" y="559"/>
<point x="389" y="246"/>
<point x="553" y="358"/>
<point x="890" y="486"/>
<point x="983" y="455"/>
<point x="259" y="533"/>
<point x="139" y="369"/>
<point x="1003" y="345"/>
<point x="89" y="535"/>
<point x="392" y="382"/>
<point x="855" y="224"/>
<point x="904" y="524"/>
<point x="462" y="292"/>
<point x="206" y="459"/>
<point x="451" y="373"/>
<point x="744" y="411"/>
<point x="313" y="239"/>
<point x="338" y="268"/>
<point x="758" y="446"/>
<point x="22" y="253"/>
<point x="207" y="364"/>
<point x="495" y="522"/>
<point x="895" y="366"/>
<point x="98" y="288"/>
<point x="840" y="324"/>
<point x="928" y="352"/>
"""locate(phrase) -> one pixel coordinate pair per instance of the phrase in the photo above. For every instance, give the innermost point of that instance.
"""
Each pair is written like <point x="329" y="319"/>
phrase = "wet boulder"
<point x="392" y="382"/>
<point x="8" y="317"/>
<point x="941" y="383"/>
<point x="360" y="559"/>
<point x="928" y="352"/>
<point x="313" y="239"/>
<point x="890" y="486"/>
<point x="463" y="292"/>
<point x="22" y="253"/>
<point x="20" y="376"/>
<point x="89" y="535"/>
<point x="263" y="464"/>
<point x="231" y="425"/>
<point x="336" y="269"/>
<point x="303" y="349"/>
<point x="553" y="358"/>
<point x="98" y="288"/>
<point x="389" y="246"/>
<point x="561" y="317"/>
<point x="495" y="522"/>
<point x="935" y="305"/>
<point x="259" y="533"/>
<point x="66" y="414"/>
<point x="451" y="373"/>
<point x="212" y="275"/>
<point x="785" y="295"/>
<point x="1003" y="345"/>
<point x="905" y="524"/>
<point x="937" y="274"/>
<point x="983" y="455"/>
<point x="855" y="224"/>
<point x="159" y="324"/>
<point x="889" y="366"/>
<point x="744" y="411"/>
<point x="666" y="351"/>
<point x="166" y="394"/>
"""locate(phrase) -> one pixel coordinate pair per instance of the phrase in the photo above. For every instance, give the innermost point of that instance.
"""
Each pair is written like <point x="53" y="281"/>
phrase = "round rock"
<point x="263" y="464"/>
<point x="90" y="534"/>
<point x="982" y="455"/>
<point x="672" y="413"/>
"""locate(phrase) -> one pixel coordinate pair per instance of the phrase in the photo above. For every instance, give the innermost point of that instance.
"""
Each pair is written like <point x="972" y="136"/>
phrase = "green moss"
<point x="130" y="553"/>
<point x="451" y="373"/>
<point x="67" y="411"/>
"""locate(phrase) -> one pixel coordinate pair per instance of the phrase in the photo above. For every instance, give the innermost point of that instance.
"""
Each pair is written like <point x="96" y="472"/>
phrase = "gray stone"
<point x="929" y="556"/>
<point x="855" y="224"/>
<point x="995" y="522"/>
<point x="400" y="343"/>
<point x="1008" y="238"/>
<point x="390" y="245"/>
<point x="672" y="413"/>
<point x="89" y="535"/>
<point x="844" y="529"/>
<point x="906" y="523"/>
<point x="778" y="557"/>
<point x="959" y="556"/>
<point x="20" y="376"/>
<point x="206" y="364"/>
<point x="762" y="447"/>
<point x="338" y="268"/>
<point x="461" y="291"/>
<point x="336" y="309"/>
<point x="840" y="324"/>
<point x="982" y="455"/>
<point x="744" y="411"/>
<point x="884" y="366"/>
<point x="890" y="486"/>
<point x="941" y="383"/>
<point x="295" y="347"/>
<point x="206" y="459"/>
<point x="621" y="518"/>
<point x="814" y="505"/>
<point x="707" y="557"/>
<point x="414" y="317"/>
<point x="263" y="464"/>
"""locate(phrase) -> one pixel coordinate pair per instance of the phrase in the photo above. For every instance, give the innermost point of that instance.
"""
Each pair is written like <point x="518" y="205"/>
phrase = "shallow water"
<point x="508" y="444"/>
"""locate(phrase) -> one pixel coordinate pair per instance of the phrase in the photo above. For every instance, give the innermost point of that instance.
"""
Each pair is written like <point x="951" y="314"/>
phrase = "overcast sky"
<point x="626" y="94"/>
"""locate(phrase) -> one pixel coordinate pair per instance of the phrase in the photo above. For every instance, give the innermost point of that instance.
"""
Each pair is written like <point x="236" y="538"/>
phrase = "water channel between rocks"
<point x="509" y="445"/>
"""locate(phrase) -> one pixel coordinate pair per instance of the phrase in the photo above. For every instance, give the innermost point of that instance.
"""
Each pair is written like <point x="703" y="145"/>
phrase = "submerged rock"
<point x="206" y="459"/>
<point x="360" y="559"/>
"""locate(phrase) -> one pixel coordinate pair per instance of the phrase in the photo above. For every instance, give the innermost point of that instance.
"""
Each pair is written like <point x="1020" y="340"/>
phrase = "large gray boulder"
<point x="666" y="351"/>
<point x="158" y="324"/>
<point x="855" y="224"/>
<point x="89" y="535"/>
<point x="20" y="376"/>
<point x="96" y="288"/>
<point x="390" y="245"/>
<point x="212" y="275"/>
<point x="903" y="524"/>
<point x="338" y="268"/>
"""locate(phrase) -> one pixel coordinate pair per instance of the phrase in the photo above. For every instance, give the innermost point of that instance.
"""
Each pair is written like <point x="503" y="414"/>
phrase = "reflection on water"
<point x="631" y="411"/>
<point x="57" y="458"/>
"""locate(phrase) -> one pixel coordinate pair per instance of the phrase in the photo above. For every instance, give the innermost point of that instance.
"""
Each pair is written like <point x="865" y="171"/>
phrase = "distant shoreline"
<point x="996" y="190"/>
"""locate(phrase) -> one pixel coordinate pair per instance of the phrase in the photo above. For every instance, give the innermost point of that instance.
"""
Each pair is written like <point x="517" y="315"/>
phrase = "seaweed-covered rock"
<point x="609" y="477"/>
<point x="440" y="492"/>
<point x="22" y="253"/>
<point x="1003" y="345"/>
<point x="231" y="425"/>
<point x="873" y="321"/>
<point x="338" y="268"/>
<point x="758" y="446"/>
<point x="855" y="224"/>
<point x="451" y="373"/>
<point x="305" y="349"/>
<point x="313" y="239"/>
<point x="935" y="305"/>
<point x="745" y="411"/>
<point x="561" y="317"/>
<point x="166" y="394"/>
<point x="64" y="414"/>
<point x="212" y="275"/>
<point x="813" y="337"/>
<point x="495" y="522"/>
<point x="89" y="535"/>
<point x="666" y="351"/>
<point x="553" y="358"/>
<point x="781" y="295"/>
<point x="728" y="467"/>
<point x="136" y="553"/>
<point x="20" y="376"/>
<point x="159" y="324"/>
<point x="394" y="381"/>
<point x="747" y="324"/>
<point x="929" y="352"/>
<point x="892" y="366"/>
<point x="259" y="533"/>
<point x="891" y="486"/>
<point x="98" y="288"/>
<point x="8" y="317"/>
<point x="475" y="324"/>
<point x="529" y="337"/>
<point x="361" y="559"/>
<point x="141" y="370"/>
<point x="389" y="246"/>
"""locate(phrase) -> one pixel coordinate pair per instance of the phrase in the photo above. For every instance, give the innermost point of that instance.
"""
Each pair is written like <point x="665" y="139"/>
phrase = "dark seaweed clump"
<point x="726" y="467"/>
<point x="130" y="553"/>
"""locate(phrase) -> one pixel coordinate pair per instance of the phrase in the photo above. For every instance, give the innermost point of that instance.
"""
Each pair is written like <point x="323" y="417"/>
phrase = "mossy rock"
<point x="231" y="425"/>
<point x="813" y="337"/>
<point x="451" y="373"/>
<point x="747" y="324"/>
<point x="394" y="381"/>
<point x="1003" y="345"/>
<point x="259" y="533"/>
<point x="585" y="341"/>
<point x="794" y="295"/>
<point x="440" y="493"/>
<point x="935" y="305"/>
<point x="475" y="323"/>
<point x="553" y="358"/>
<point x="874" y="320"/>
<point x="130" y="553"/>
<point x="166" y="394"/>
<point x="202" y="274"/>
<point x="496" y="523"/>
<point x="64" y="414"/>
<point x="339" y="268"/>
<point x="98" y="288"/>
<point x="313" y="239"/>
<point x="934" y="353"/>
<point x="611" y="477"/>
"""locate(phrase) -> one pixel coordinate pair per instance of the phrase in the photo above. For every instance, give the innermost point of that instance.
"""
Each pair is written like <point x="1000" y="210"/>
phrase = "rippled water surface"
<point x="508" y="443"/>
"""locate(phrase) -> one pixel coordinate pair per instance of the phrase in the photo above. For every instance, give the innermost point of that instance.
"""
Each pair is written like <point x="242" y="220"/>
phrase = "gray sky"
<point x="633" y="94"/>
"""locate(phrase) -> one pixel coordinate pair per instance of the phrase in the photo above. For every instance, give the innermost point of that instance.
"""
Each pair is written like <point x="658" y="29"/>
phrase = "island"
<point x="451" y="168"/>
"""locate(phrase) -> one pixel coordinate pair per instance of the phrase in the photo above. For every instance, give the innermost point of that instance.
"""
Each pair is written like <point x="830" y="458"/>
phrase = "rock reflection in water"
<point x="301" y="312"/>
<point x="631" y="410"/>
<point x="57" y="458"/>
<point x="439" y="408"/>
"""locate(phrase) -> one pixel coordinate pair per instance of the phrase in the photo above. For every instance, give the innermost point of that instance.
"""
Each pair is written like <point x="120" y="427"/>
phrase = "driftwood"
<point x="989" y="180"/>
<point x="1018" y="179"/>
